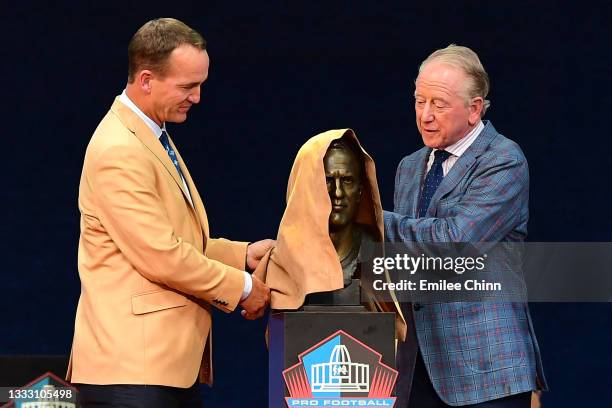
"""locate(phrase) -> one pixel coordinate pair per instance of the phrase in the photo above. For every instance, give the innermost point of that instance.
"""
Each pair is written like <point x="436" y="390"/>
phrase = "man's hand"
<point x="256" y="303"/>
<point x="256" y="251"/>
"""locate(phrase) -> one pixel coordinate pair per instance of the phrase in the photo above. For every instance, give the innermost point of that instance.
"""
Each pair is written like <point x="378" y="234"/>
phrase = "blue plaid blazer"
<point x="473" y="351"/>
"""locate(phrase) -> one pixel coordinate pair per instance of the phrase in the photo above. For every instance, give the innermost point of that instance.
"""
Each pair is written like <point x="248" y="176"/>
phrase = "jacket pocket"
<point x="493" y="337"/>
<point x="155" y="301"/>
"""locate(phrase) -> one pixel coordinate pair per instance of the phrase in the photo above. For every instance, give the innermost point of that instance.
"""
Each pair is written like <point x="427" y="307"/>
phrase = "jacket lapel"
<point x="195" y="196"/>
<point x="146" y="136"/>
<point x="463" y="164"/>
<point x="414" y="194"/>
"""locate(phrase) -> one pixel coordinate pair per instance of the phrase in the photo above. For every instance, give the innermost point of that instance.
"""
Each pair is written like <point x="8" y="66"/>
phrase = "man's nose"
<point x="427" y="113"/>
<point x="194" y="97"/>
<point x="338" y="191"/>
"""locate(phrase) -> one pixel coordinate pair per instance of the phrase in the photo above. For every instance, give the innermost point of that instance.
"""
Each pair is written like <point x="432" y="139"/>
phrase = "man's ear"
<point x="476" y="107"/>
<point x="144" y="79"/>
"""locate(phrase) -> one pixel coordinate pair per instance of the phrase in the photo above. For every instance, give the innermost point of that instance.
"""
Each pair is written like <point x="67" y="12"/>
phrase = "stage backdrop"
<point x="280" y="73"/>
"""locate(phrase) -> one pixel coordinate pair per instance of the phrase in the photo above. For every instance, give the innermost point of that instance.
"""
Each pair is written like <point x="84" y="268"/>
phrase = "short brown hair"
<point x="152" y="44"/>
<point x="468" y="61"/>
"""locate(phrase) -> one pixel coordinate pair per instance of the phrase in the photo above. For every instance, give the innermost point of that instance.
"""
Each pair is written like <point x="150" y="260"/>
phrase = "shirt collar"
<point x="461" y="145"/>
<point x="157" y="131"/>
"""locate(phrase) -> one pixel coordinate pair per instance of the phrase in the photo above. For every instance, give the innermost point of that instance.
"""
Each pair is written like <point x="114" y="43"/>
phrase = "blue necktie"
<point x="432" y="181"/>
<point x="166" y="143"/>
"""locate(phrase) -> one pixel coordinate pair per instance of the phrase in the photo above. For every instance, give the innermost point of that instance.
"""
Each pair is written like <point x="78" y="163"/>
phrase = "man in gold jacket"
<point x="149" y="270"/>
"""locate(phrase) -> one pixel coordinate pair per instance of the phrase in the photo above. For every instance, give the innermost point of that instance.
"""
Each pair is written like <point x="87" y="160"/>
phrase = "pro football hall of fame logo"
<point x="340" y="371"/>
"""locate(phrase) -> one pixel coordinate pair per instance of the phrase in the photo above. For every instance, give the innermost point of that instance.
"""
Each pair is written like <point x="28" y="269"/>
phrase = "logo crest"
<point x="337" y="369"/>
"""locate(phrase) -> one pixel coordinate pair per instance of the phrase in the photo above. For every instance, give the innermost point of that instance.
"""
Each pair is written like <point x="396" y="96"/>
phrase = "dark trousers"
<point x="423" y="394"/>
<point x="138" y="396"/>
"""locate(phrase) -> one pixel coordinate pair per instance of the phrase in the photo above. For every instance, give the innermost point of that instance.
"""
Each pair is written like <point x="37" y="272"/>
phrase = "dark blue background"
<point x="280" y="73"/>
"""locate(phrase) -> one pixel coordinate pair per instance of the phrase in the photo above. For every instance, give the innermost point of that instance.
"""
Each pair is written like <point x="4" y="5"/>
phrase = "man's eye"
<point x="347" y="180"/>
<point x="439" y="104"/>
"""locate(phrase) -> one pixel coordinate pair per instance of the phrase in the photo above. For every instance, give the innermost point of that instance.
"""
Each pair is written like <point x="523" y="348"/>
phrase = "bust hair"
<point x="345" y="144"/>
<point x="350" y="146"/>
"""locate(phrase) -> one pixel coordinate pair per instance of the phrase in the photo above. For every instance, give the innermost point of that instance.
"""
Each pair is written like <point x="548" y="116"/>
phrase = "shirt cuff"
<point x="248" y="285"/>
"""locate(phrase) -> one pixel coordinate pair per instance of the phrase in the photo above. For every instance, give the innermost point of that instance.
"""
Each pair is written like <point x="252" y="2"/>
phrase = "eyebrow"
<point x="191" y="84"/>
<point x="347" y="173"/>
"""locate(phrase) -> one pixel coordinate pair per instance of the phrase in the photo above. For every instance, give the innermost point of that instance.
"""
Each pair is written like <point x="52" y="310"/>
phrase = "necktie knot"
<point x="440" y="156"/>
<point x="163" y="139"/>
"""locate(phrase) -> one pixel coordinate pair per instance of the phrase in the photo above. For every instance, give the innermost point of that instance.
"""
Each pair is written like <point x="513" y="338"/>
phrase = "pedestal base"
<point x="334" y="363"/>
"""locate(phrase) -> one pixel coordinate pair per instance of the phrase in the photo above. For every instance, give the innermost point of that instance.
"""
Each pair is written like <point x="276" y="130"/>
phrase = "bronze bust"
<point x="343" y="179"/>
<point x="343" y="165"/>
<point x="332" y="205"/>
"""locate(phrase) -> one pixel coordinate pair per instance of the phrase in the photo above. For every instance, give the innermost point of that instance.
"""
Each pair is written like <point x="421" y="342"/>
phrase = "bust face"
<point x="343" y="176"/>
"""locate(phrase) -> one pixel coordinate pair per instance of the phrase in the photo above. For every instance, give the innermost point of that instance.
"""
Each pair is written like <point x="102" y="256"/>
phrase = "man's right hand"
<point x="256" y="303"/>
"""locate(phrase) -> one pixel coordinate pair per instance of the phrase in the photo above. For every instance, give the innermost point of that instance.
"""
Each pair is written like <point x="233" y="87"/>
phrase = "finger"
<point x="249" y="316"/>
<point x="254" y="314"/>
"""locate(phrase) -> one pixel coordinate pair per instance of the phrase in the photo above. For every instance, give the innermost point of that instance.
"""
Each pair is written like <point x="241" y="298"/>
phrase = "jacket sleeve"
<point x="231" y="253"/>
<point x="132" y="212"/>
<point x="488" y="210"/>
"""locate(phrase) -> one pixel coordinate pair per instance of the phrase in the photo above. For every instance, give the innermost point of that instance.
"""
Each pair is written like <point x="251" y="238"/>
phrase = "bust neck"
<point x="343" y="240"/>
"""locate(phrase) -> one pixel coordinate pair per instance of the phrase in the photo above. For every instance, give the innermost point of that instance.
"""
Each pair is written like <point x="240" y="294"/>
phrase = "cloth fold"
<point x="304" y="259"/>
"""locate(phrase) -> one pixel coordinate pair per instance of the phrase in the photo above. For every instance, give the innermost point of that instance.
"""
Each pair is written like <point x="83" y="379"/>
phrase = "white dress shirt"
<point x="157" y="131"/>
<point x="456" y="149"/>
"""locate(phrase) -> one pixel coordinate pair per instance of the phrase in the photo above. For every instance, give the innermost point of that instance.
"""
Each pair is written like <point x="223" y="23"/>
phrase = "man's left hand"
<point x="256" y="251"/>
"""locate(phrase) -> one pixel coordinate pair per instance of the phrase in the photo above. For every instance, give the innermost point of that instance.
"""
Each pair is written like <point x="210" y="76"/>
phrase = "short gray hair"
<point x="468" y="61"/>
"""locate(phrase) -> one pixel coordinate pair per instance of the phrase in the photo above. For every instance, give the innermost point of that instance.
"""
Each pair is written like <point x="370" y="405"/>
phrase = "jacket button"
<point x="416" y="306"/>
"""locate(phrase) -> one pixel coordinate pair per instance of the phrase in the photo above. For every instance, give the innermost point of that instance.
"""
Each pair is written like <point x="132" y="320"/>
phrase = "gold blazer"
<point x="149" y="271"/>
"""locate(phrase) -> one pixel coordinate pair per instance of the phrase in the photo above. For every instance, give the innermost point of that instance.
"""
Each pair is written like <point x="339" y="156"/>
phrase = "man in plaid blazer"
<point x="468" y="184"/>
